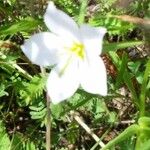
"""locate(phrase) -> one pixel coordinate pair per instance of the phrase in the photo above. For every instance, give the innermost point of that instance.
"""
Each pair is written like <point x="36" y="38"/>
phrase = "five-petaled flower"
<point x="73" y="50"/>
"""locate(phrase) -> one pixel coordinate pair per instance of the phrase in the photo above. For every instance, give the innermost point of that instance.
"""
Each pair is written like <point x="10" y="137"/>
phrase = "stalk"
<point x="48" y="124"/>
<point x="48" y="117"/>
<point x="144" y="89"/>
<point x="83" y="9"/>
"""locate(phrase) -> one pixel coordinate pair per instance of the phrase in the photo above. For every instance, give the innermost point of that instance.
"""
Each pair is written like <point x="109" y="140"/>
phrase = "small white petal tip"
<point x="51" y="5"/>
<point x="103" y="30"/>
<point x="23" y="48"/>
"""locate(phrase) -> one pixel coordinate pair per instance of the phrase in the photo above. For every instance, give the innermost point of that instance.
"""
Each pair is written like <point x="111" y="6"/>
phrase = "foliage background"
<point x="22" y="97"/>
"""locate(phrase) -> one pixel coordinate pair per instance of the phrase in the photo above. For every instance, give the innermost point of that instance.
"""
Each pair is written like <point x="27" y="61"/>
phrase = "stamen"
<point x="78" y="49"/>
<point x="65" y="66"/>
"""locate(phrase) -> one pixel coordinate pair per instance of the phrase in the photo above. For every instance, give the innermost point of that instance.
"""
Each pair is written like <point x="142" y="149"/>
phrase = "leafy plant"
<point x="120" y="119"/>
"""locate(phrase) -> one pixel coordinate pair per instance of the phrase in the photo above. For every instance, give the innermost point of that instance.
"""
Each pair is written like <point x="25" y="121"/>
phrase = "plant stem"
<point x="48" y="124"/>
<point x="87" y="129"/>
<point x="144" y="89"/>
<point x="131" y="130"/>
<point x="83" y="9"/>
<point x="21" y="71"/>
<point x="48" y="117"/>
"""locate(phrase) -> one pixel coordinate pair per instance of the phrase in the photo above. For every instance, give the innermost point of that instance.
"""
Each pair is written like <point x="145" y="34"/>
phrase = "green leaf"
<point x="128" y="132"/>
<point x="19" y="142"/>
<point x="144" y="89"/>
<point x="128" y="81"/>
<point x="113" y="25"/>
<point x="98" y="108"/>
<point x="146" y="145"/>
<point x="134" y="66"/>
<point x="4" y="139"/>
<point x="38" y="111"/>
<point x="57" y="110"/>
<point x="72" y="133"/>
<point x="2" y="90"/>
<point x="121" y="70"/>
<point x="27" y="24"/>
<point x="32" y="90"/>
<point x="30" y="146"/>
<point x="127" y="144"/>
<point x="115" y="58"/>
<point x="112" y="117"/>
<point x="121" y="45"/>
<point x="11" y="2"/>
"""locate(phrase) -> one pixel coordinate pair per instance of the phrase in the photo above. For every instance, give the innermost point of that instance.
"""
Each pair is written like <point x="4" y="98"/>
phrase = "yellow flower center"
<point x="78" y="49"/>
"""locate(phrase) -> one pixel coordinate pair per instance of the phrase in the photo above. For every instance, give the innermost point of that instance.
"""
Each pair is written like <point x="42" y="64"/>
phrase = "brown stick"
<point x="135" y="20"/>
<point x="87" y="129"/>
<point x="48" y="125"/>
<point x="48" y="117"/>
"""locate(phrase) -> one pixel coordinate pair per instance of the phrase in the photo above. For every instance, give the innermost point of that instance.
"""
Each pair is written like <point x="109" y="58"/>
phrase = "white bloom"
<point x="73" y="50"/>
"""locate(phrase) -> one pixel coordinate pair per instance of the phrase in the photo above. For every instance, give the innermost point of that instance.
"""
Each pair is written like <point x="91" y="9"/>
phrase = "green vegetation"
<point x="124" y="113"/>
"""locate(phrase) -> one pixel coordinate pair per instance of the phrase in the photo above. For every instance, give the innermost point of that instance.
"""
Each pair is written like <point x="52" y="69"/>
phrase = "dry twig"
<point x="87" y="129"/>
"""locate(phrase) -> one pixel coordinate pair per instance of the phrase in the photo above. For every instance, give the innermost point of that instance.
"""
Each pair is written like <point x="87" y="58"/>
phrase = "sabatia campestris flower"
<point x="73" y="50"/>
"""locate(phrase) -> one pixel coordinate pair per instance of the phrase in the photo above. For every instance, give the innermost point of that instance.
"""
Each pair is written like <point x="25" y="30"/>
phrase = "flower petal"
<point x="60" y="23"/>
<point x="93" y="76"/>
<point x="42" y="49"/>
<point x="92" y="38"/>
<point x="61" y="87"/>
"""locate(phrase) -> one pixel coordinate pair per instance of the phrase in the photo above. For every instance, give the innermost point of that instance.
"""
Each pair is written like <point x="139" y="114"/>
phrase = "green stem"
<point x="144" y="89"/>
<point x="128" y="81"/>
<point x="21" y="71"/>
<point x="12" y="66"/>
<point x="133" y="129"/>
<point x="83" y="9"/>
<point x="106" y="132"/>
<point x="144" y="123"/>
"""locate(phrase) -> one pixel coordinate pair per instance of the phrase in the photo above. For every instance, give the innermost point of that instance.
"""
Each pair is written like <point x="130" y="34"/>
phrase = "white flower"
<point x="73" y="50"/>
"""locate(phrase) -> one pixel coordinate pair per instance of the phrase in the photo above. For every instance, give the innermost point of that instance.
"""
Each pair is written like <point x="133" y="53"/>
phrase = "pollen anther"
<point x="78" y="49"/>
